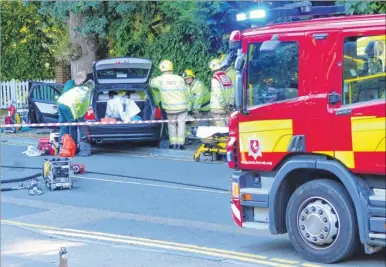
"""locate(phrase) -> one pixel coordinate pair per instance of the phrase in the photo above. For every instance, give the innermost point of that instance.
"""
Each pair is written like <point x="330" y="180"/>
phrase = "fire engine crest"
<point x="254" y="148"/>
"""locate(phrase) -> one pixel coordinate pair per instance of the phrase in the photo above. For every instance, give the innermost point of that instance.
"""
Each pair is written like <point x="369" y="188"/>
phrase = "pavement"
<point x="136" y="207"/>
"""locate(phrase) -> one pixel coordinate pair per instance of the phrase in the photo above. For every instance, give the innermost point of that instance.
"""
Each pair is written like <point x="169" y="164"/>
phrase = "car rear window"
<point x="122" y="73"/>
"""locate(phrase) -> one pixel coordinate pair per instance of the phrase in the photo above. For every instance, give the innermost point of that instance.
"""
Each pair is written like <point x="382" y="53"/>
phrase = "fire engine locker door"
<point x="359" y="123"/>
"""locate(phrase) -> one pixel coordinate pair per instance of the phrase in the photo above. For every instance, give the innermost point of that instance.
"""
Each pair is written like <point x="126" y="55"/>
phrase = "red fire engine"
<point x="307" y="141"/>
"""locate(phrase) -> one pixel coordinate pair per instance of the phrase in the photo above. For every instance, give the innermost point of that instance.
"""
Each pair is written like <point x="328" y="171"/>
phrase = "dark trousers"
<point x="65" y="115"/>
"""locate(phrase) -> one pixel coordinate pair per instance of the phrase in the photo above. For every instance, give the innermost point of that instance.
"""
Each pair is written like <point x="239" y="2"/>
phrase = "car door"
<point x="42" y="99"/>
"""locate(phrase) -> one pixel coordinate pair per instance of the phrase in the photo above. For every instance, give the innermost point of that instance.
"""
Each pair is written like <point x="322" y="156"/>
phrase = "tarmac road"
<point x="171" y="212"/>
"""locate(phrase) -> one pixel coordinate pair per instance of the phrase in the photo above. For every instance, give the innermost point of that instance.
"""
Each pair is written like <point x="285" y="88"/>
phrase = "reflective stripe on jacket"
<point x="173" y="92"/>
<point x="222" y="91"/>
<point x="77" y="99"/>
<point x="199" y="97"/>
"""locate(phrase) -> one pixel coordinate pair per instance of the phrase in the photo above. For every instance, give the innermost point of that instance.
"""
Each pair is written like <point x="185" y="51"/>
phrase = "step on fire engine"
<point x="307" y="141"/>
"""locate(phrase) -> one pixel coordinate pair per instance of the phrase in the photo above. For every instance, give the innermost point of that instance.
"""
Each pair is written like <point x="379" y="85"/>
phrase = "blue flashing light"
<point x="241" y="16"/>
<point x="257" y="14"/>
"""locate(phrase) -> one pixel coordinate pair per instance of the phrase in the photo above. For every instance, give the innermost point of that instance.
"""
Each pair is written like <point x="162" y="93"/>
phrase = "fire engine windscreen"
<point x="272" y="75"/>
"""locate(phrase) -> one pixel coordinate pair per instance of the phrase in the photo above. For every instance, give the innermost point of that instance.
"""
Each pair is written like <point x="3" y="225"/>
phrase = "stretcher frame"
<point x="214" y="145"/>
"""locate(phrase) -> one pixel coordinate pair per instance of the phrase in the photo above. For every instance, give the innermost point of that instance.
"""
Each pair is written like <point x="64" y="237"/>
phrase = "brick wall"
<point x="62" y="72"/>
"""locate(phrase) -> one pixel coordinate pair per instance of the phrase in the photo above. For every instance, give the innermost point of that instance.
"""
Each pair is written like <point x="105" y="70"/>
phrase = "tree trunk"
<point x="83" y="48"/>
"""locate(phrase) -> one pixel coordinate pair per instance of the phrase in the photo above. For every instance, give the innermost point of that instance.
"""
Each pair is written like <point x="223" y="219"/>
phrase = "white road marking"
<point x="149" y="184"/>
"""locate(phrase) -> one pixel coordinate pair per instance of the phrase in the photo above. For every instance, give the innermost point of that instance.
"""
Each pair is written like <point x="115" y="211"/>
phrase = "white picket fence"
<point x="15" y="91"/>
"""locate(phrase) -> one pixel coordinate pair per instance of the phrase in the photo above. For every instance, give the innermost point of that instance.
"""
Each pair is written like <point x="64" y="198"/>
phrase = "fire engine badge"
<point x="254" y="148"/>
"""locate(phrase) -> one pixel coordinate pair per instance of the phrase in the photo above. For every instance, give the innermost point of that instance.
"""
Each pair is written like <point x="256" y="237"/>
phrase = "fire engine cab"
<point x="307" y="141"/>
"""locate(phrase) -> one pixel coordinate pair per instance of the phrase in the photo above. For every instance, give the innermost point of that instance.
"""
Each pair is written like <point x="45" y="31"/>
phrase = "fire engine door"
<point x="360" y="115"/>
<point x="322" y="83"/>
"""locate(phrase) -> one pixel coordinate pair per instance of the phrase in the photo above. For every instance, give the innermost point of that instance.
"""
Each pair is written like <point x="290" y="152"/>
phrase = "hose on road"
<point x="16" y="180"/>
<point x="129" y="177"/>
<point x="22" y="179"/>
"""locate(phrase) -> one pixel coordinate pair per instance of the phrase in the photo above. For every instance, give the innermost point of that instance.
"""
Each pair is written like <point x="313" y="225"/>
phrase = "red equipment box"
<point x="46" y="147"/>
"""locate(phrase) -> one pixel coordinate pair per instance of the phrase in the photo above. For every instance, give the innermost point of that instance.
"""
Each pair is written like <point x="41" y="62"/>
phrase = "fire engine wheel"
<point x="315" y="213"/>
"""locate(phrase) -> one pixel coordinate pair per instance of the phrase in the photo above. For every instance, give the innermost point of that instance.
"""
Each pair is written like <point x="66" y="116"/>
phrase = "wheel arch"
<point x="310" y="168"/>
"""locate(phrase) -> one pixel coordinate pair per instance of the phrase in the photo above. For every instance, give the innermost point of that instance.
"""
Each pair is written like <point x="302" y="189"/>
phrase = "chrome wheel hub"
<point x="318" y="223"/>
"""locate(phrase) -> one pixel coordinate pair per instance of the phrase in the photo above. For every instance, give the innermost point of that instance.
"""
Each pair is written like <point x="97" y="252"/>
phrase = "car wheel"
<point x="321" y="221"/>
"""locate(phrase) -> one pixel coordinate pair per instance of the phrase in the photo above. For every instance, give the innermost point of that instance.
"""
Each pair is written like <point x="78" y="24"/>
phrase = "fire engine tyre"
<point x="321" y="222"/>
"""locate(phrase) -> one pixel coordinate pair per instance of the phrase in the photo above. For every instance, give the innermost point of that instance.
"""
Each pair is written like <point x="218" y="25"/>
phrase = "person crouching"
<point x="73" y="105"/>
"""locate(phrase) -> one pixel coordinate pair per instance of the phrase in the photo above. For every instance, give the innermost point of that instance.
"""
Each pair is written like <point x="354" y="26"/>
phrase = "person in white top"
<point x="121" y="108"/>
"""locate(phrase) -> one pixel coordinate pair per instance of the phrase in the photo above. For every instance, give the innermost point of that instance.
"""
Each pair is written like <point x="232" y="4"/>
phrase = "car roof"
<point x="339" y="22"/>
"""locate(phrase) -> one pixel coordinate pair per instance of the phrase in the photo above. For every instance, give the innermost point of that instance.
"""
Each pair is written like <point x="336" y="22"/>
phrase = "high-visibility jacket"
<point x="221" y="93"/>
<point x="173" y="92"/>
<point x="231" y="72"/>
<point x="199" y="97"/>
<point x="77" y="99"/>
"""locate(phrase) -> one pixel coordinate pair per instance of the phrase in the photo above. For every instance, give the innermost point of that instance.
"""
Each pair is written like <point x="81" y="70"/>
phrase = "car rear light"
<point x="90" y="115"/>
<point x="158" y="114"/>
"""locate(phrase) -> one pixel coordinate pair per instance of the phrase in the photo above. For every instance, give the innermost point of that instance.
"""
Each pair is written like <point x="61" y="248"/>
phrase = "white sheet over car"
<point x="208" y="131"/>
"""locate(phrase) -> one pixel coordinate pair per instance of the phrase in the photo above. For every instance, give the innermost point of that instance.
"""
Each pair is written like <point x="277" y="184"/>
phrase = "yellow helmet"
<point x="215" y="64"/>
<point x="166" y="65"/>
<point x="188" y="73"/>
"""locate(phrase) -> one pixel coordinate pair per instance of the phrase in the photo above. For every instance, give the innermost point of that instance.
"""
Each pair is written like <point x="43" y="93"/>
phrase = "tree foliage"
<point x="189" y="33"/>
<point x="364" y="7"/>
<point x="26" y="42"/>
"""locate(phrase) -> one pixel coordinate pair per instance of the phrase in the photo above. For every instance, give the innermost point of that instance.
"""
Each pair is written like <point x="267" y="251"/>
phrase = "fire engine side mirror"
<point x="239" y="64"/>
<point x="228" y="60"/>
<point x="239" y="90"/>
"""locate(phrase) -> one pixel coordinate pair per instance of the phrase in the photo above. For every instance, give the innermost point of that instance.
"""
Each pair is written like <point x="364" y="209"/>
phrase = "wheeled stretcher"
<point x="213" y="141"/>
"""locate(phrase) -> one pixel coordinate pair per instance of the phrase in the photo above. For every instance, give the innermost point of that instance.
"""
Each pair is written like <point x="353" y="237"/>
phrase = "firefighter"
<point x="73" y="105"/>
<point x="199" y="96"/>
<point x="174" y="100"/>
<point x="222" y="98"/>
